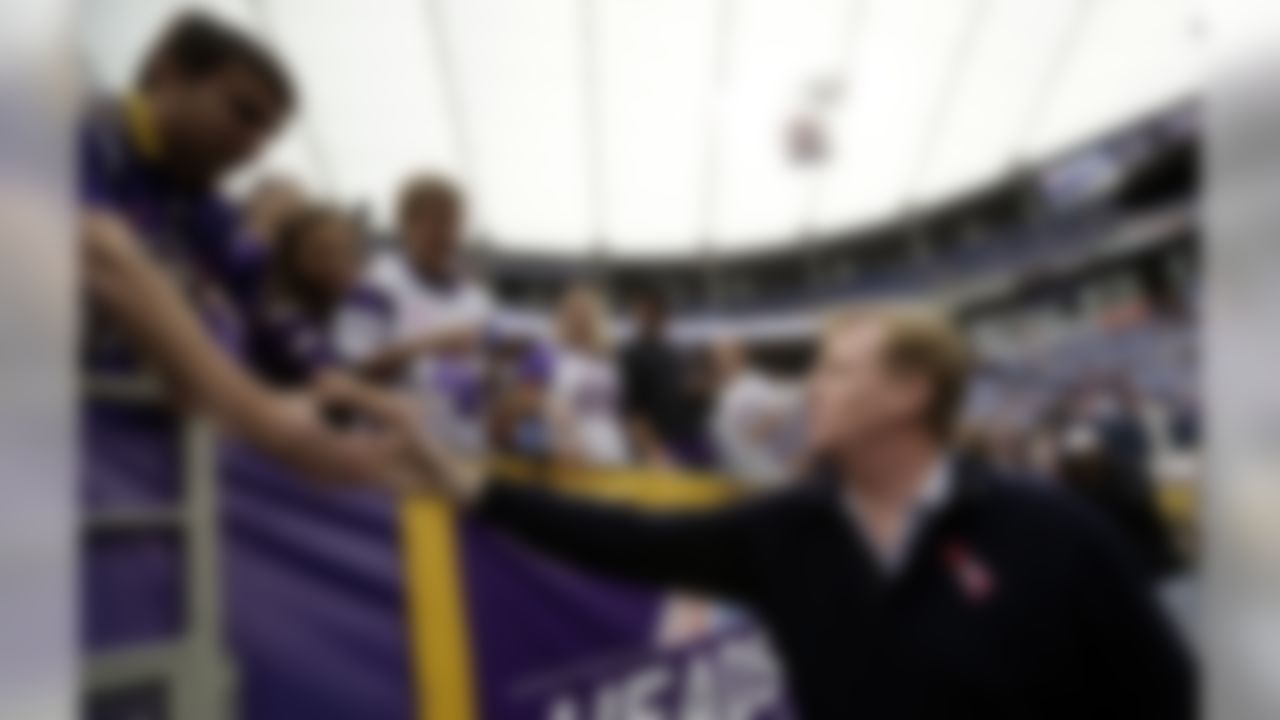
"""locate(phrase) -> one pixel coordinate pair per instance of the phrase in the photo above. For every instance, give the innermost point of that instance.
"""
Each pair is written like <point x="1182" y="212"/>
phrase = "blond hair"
<point x="427" y="189"/>
<point x="924" y="342"/>
<point x="598" y="340"/>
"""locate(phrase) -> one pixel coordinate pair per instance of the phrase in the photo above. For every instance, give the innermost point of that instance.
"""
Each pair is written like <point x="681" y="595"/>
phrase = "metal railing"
<point x="192" y="671"/>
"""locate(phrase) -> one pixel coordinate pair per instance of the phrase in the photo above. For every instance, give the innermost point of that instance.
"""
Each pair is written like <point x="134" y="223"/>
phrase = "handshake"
<point x="384" y="445"/>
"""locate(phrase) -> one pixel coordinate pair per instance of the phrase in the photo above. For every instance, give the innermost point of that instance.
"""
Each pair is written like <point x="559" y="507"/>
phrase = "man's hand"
<point x="458" y="341"/>
<point x="646" y="445"/>
<point x="300" y="436"/>
<point x="390" y="448"/>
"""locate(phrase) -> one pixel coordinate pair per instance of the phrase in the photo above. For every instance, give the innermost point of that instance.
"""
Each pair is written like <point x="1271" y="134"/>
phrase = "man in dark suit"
<point x="896" y="582"/>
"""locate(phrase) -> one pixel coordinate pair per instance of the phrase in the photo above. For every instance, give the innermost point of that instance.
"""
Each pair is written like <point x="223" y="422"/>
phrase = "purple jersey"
<point x="288" y="345"/>
<point x="194" y="234"/>
<point x="536" y="365"/>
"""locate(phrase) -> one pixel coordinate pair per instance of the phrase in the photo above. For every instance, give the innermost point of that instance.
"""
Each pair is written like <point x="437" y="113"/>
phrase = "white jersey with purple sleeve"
<point x="451" y="389"/>
<point x="756" y="424"/>
<point x="585" y="400"/>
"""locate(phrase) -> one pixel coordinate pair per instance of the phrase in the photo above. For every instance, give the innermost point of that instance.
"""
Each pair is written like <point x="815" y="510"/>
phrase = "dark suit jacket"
<point x="1016" y="602"/>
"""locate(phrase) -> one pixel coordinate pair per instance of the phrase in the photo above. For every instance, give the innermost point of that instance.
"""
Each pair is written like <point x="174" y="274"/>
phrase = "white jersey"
<point x="756" y="426"/>
<point x="584" y="399"/>
<point x="451" y="389"/>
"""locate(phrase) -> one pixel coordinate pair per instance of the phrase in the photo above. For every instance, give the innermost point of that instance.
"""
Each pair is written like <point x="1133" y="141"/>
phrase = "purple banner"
<point x="554" y="644"/>
<point x="318" y="619"/>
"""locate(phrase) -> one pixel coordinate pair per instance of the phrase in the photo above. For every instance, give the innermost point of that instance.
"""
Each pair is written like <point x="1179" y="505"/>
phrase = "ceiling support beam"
<point x="1040" y="104"/>
<point x="927" y="144"/>
<point x="712" y="134"/>
<point x="855" y="24"/>
<point x="595" y="159"/>
<point x="325" y="179"/>
<point x="436" y="29"/>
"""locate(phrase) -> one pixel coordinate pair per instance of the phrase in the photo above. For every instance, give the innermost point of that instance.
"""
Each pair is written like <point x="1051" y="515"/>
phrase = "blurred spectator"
<point x="583" y="401"/>
<point x="423" y="322"/>
<point x="660" y="427"/>
<point x="1184" y="423"/>
<point x="517" y="419"/>
<point x="697" y="397"/>
<point x="1117" y="413"/>
<point x="207" y="100"/>
<point x="154" y="228"/>
<point x="271" y="202"/>
<point x="756" y="422"/>
<point x="315" y="263"/>
<point x="1043" y="456"/>
<point x="1122" y="492"/>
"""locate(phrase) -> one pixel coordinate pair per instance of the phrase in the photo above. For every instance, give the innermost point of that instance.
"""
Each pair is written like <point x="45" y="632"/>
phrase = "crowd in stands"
<point x="415" y="318"/>
<point x="1105" y="405"/>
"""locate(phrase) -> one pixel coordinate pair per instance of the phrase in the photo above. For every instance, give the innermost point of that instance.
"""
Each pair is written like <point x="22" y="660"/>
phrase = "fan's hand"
<point x="397" y="453"/>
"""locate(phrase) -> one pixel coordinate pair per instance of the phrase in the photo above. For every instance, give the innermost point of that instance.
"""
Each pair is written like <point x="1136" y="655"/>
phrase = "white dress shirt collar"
<point x="933" y="495"/>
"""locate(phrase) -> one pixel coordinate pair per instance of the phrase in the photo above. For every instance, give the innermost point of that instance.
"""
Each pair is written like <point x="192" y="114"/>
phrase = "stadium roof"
<point x="669" y="127"/>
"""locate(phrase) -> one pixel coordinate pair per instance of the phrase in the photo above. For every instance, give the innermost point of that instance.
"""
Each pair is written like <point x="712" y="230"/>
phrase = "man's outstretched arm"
<point x="708" y="550"/>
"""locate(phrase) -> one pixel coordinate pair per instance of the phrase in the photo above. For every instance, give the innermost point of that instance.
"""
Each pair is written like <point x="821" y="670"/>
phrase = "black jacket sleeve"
<point x="1135" y="662"/>
<point x="707" y="551"/>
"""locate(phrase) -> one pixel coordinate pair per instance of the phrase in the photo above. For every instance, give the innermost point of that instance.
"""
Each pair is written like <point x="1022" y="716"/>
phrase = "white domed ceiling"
<point x="668" y="127"/>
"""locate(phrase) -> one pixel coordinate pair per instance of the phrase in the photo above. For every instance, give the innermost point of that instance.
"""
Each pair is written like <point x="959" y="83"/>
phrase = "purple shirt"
<point x="195" y="234"/>
<point x="288" y="345"/>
